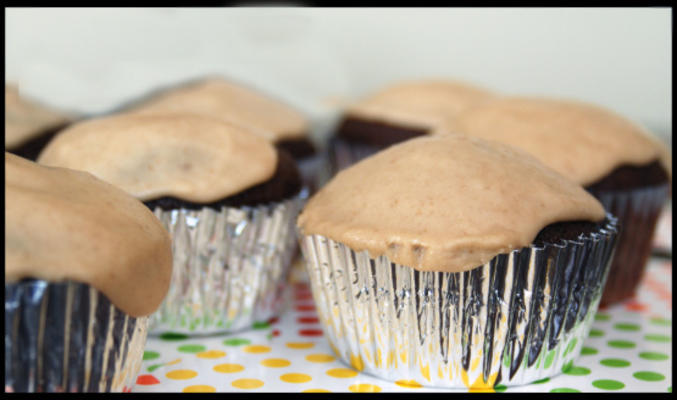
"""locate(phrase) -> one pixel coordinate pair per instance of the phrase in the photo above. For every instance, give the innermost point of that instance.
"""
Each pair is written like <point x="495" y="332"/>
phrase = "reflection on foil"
<point x="521" y="317"/>
<point x="230" y="266"/>
<point x="68" y="337"/>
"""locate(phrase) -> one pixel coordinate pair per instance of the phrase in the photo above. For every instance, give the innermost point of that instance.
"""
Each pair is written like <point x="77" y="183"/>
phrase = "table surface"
<point x="629" y="349"/>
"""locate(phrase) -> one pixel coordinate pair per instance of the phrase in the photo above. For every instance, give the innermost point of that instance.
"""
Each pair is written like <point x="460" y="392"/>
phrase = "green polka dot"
<point x="192" y="348"/>
<point x="654" y="337"/>
<point x="602" y="317"/>
<point x="261" y="325"/>
<point x="150" y="355"/>
<point x="154" y="367"/>
<point x="624" y="326"/>
<point x="171" y="336"/>
<point x="549" y="359"/>
<point x="576" y="371"/>
<point x="500" y="388"/>
<point x="544" y="380"/>
<point x="615" y="362"/>
<point x="608" y="384"/>
<point x="649" y="376"/>
<point x="596" y="333"/>
<point x="653" y="356"/>
<point x="621" y="344"/>
<point x="236" y="342"/>
<point x="660" y="321"/>
<point x="670" y="389"/>
<point x="570" y="346"/>
<point x="588" y="351"/>
<point x="564" y="390"/>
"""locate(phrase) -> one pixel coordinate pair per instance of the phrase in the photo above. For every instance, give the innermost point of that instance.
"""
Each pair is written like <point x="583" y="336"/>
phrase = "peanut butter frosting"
<point x="447" y="203"/>
<point x="419" y="104"/>
<point x="67" y="225"/>
<point x="187" y="156"/>
<point x="25" y="119"/>
<point x="581" y="141"/>
<point x="219" y="98"/>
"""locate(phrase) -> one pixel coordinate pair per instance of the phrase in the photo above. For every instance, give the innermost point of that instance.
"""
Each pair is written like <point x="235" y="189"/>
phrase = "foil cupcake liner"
<point x="342" y="154"/>
<point x="68" y="337"/>
<point x="313" y="173"/>
<point x="230" y="266"/>
<point x="519" y="318"/>
<point x="637" y="212"/>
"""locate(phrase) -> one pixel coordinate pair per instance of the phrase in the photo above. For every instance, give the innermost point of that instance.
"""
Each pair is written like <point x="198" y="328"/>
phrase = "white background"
<point x="92" y="60"/>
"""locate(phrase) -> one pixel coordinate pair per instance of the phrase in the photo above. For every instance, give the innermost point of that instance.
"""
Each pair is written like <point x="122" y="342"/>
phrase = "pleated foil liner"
<point x="637" y="212"/>
<point x="519" y="318"/>
<point x="314" y="172"/>
<point x="230" y="266"/>
<point x="68" y="337"/>
<point x="342" y="154"/>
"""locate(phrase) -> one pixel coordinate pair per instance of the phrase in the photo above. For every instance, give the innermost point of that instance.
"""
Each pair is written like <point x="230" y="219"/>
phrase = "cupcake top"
<point x="418" y="104"/>
<point x="186" y="156"/>
<point x="581" y="141"/>
<point x="447" y="203"/>
<point x="26" y="119"/>
<point x="219" y="98"/>
<point x="67" y="225"/>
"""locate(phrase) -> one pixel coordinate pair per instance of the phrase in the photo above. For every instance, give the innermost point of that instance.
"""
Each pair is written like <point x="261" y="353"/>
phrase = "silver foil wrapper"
<point x="68" y="337"/>
<point x="519" y="318"/>
<point x="637" y="212"/>
<point x="342" y="154"/>
<point x="230" y="266"/>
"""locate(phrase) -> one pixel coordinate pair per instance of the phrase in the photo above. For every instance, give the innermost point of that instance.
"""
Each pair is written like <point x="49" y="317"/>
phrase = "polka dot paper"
<point x="629" y="349"/>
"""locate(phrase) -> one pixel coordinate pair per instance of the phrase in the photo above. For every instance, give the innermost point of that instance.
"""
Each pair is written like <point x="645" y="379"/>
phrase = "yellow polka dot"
<point x="178" y="360"/>
<point x="316" y="391"/>
<point x="275" y="363"/>
<point x="228" y="368"/>
<point x="256" y="349"/>
<point x="211" y="354"/>
<point x="356" y="362"/>
<point x="342" y="373"/>
<point x="247" y="383"/>
<point x="181" y="374"/>
<point x="320" y="358"/>
<point x="296" y="378"/>
<point x="300" y="345"/>
<point x="364" y="388"/>
<point x="199" y="389"/>
<point x="411" y="384"/>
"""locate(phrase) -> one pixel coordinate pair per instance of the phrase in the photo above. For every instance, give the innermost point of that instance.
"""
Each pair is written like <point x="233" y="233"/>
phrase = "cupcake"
<point x="614" y="159"/>
<point x="219" y="98"/>
<point x="398" y="113"/>
<point x="227" y="197"/>
<point x="455" y="262"/>
<point x="85" y="264"/>
<point x="29" y="126"/>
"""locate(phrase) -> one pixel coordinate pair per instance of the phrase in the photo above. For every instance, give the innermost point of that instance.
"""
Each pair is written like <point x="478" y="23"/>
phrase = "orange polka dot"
<point x="228" y="368"/>
<point x="342" y="373"/>
<point x="275" y="363"/>
<point x="364" y="388"/>
<point x="211" y="354"/>
<point x="180" y="374"/>
<point x="256" y="349"/>
<point x="247" y="383"/>
<point x="320" y="358"/>
<point x="147" y="380"/>
<point x="295" y="378"/>
<point x="199" y="389"/>
<point x="300" y="345"/>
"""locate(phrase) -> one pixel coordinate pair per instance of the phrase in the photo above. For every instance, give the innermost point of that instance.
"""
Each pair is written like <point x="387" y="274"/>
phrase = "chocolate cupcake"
<point x="219" y="98"/>
<point x="29" y="126"/>
<point x="227" y="197"/>
<point x="614" y="159"/>
<point x="398" y="113"/>
<point x="456" y="262"/>
<point x="85" y="264"/>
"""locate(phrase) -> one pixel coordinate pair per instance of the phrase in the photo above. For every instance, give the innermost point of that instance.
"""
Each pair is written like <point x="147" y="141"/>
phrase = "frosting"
<point x="25" y="119"/>
<point x="219" y="98"/>
<point x="187" y="156"/>
<point x="581" y="141"/>
<point x="418" y="104"/>
<point x="447" y="203"/>
<point x="62" y="224"/>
